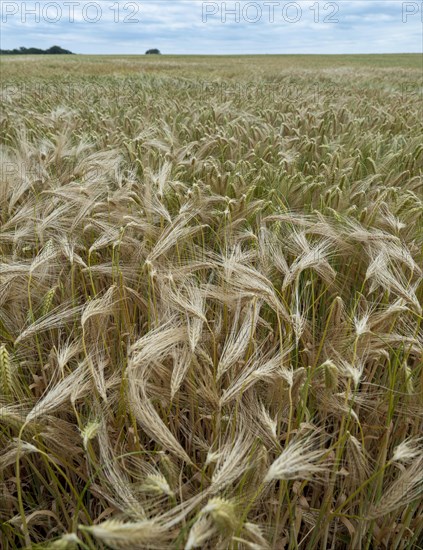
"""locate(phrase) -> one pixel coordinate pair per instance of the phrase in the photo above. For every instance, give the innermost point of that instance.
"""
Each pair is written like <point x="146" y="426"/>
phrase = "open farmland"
<point x="211" y="302"/>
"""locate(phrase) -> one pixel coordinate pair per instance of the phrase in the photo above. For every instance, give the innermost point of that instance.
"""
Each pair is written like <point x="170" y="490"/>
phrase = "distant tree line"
<point x="154" y="51"/>
<point x="35" y="51"/>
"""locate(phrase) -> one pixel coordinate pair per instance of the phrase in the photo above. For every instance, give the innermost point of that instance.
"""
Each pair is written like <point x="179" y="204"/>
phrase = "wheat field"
<point x="211" y="303"/>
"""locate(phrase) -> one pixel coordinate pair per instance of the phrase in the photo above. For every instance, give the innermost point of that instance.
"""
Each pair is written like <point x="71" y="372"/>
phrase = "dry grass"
<point x="211" y="306"/>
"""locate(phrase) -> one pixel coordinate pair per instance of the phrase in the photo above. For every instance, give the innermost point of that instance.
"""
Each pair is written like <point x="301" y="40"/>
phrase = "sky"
<point x="214" y="27"/>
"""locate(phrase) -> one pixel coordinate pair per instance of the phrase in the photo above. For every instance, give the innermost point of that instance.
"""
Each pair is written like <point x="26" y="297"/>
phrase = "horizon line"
<point x="221" y="54"/>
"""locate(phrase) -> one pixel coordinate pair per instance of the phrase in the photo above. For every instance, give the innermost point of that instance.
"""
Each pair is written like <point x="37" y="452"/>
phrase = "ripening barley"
<point x="211" y="306"/>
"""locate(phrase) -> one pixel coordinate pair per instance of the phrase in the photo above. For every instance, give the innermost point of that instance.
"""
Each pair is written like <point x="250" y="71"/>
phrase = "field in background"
<point x="211" y="302"/>
<point x="250" y="67"/>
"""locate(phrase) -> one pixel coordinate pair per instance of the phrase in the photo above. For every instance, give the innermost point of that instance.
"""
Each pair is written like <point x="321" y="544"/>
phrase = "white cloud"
<point x="177" y="27"/>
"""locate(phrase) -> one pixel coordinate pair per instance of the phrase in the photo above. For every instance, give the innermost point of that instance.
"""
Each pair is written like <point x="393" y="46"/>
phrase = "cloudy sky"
<point x="214" y="27"/>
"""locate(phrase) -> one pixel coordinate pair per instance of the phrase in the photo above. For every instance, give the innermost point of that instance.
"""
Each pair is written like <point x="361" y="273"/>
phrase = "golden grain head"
<point x="211" y="304"/>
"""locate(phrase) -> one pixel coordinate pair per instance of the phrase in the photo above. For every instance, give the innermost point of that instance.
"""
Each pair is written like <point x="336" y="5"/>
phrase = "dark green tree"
<point x="55" y="50"/>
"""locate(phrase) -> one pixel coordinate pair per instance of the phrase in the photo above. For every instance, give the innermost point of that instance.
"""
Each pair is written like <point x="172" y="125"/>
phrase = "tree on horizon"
<point x="54" y="50"/>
